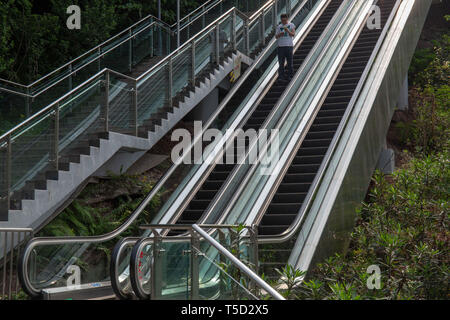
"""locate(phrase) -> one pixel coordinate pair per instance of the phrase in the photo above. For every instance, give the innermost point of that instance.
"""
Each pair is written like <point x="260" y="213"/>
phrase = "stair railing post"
<point x="233" y="31"/>
<point x="195" y="244"/>
<point x="288" y="7"/>
<point x="178" y="23"/>
<point x="188" y="27"/>
<point x="192" y="69"/>
<point x="253" y="231"/>
<point x="217" y="44"/>
<point x="222" y="260"/>
<point x="27" y="103"/>
<point x="135" y="108"/>
<point x="105" y="104"/>
<point x="70" y="77"/>
<point x="203" y="17"/>
<point x="130" y="51"/>
<point x="275" y="15"/>
<point x="152" y="41"/>
<point x="170" y="81"/>
<point x="54" y="154"/>
<point x="261" y="29"/>
<point x="5" y="191"/>
<point x="246" y="37"/>
<point x="99" y="59"/>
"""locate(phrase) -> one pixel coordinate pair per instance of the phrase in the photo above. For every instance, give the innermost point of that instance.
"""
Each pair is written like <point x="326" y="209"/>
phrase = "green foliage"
<point x="431" y="66"/>
<point x="80" y="219"/>
<point x="403" y="229"/>
<point x="429" y="131"/>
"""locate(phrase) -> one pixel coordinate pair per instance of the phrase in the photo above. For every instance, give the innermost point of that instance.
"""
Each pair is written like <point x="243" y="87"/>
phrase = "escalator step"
<point x="294" y="197"/>
<point x="293" y="187"/>
<point x="316" y="143"/>
<point x="277" y="219"/>
<point x="280" y="208"/>
<point x="299" y="177"/>
<point x="307" y="159"/>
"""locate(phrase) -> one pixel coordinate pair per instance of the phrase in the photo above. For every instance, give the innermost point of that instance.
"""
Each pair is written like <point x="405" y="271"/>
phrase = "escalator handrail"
<point x="238" y="263"/>
<point x="294" y="227"/>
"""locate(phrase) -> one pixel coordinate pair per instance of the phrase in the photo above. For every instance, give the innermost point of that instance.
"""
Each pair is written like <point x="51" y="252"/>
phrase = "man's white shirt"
<point x="285" y="40"/>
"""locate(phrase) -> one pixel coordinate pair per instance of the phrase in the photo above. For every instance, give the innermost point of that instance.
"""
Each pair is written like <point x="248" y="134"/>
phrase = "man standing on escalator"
<point x="285" y="34"/>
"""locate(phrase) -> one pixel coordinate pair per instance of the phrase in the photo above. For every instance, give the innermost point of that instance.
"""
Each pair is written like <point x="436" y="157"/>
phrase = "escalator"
<point x="219" y="175"/>
<point x="48" y="278"/>
<point x="289" y="195"/>
<point x="295" y="185"/>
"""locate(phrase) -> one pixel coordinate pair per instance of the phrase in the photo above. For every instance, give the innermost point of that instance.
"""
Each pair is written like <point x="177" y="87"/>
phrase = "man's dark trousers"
<point x="285" y="53"/>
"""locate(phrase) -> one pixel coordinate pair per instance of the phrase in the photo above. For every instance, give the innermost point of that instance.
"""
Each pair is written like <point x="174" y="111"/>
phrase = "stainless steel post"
<point x="54" y="154"/>
<point x="178" y="23"/>
<point x="170" y="81"/>
<point x="156" y="277"/>
<point x="195" y="244"/>
<point x="246" y="38"/>
<point x="218" y="44"/>
<point x="233" y="31"/>
<point x="192" y="69"/>
<point x="105" y="105"/>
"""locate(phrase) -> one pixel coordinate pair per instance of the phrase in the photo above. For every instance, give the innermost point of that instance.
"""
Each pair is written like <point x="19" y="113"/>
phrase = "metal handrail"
<point x="75" y="71"/>
<point x="201" y="35"/>
<point x="10" y="132"/>
<point x="294" y="227"/>
<point x="238" y="263"/>
<point x="110" y="235"/>
<point x="40" y="112"/>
